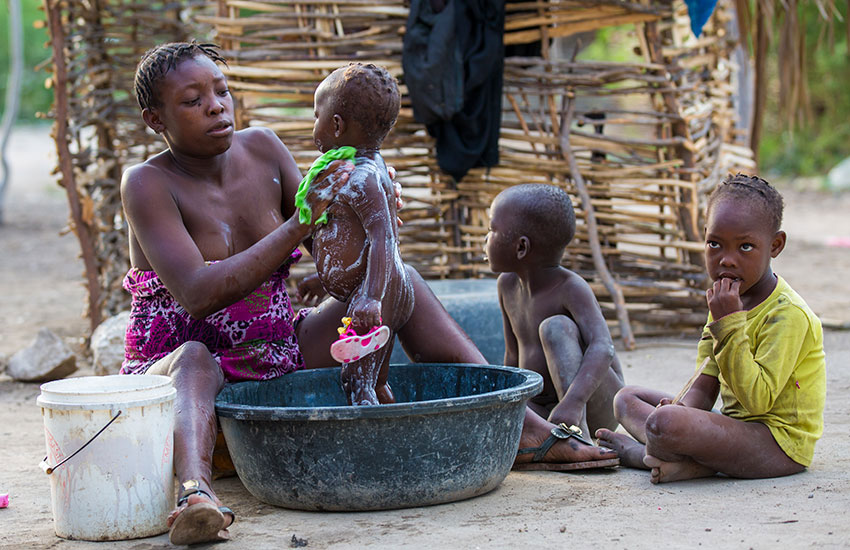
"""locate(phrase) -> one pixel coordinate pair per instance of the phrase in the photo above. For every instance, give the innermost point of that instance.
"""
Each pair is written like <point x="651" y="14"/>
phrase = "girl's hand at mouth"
<point x="724" y="297"/>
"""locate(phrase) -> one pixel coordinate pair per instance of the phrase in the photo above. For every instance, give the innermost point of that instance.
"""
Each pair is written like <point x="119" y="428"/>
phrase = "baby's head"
<point x="530" y="219"/>
<point x="355" y="105"/>
<point x="158" y="61"/>
<point x="742" y="230"/>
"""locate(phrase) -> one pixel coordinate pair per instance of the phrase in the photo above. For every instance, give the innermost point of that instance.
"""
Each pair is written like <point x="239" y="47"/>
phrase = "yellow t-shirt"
<point x="770" y="365"/>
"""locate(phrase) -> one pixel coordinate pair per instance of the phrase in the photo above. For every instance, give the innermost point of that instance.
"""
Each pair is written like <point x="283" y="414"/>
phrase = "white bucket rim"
<point x="112" y="391"/>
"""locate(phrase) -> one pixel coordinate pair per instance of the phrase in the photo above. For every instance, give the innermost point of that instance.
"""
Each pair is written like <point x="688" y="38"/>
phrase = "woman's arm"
<point x="161" y="241"/>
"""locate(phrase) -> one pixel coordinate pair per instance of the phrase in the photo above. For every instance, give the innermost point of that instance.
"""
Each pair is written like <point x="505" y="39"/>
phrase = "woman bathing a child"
<point x="213" y="230"/>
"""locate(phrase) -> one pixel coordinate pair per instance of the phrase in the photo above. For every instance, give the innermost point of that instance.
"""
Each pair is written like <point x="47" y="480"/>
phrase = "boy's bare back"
<point x="526" y="307"/>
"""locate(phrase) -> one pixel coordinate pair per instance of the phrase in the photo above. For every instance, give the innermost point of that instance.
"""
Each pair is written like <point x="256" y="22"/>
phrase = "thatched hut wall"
<point x="638" y="176"/>
<point x="98" y="131"/>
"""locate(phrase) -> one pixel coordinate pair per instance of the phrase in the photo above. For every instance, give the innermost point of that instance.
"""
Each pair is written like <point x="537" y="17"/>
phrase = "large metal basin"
<point x="453" y="434"/>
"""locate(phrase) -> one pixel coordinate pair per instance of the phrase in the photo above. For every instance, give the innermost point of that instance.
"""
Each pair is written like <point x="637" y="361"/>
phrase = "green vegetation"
<point x="822" y="139"/>
<point x="812" y="147"/>
<point x="35" y="97"/>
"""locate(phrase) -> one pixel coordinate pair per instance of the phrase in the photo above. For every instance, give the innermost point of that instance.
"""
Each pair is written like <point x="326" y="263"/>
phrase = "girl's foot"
<point x="664" y="472"/>
<point x="630" y="451"/>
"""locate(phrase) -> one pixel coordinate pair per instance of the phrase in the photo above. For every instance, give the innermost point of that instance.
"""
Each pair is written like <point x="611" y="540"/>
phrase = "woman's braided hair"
<point x="156" y="62"/>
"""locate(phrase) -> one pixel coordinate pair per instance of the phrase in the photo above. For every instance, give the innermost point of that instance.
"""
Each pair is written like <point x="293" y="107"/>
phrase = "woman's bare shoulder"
<point x="259" y="140"/>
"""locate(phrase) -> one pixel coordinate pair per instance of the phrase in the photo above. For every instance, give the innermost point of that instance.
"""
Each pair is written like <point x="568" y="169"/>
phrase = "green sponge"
<point x="305" y="214"/>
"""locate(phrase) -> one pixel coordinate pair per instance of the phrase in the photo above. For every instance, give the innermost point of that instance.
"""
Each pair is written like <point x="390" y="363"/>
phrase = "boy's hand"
<point x="310" y="290"/>
<point x="724" y="297"/>
<point x="667" y="401"/>
<point x="365" y="313"/>
<point x="567" y="413"/>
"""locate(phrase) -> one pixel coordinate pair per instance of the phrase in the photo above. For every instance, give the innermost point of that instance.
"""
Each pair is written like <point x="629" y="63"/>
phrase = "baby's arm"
<point x="757" y="377"/>
<point x="581" y="304"/>
<point x="369" y="201"/>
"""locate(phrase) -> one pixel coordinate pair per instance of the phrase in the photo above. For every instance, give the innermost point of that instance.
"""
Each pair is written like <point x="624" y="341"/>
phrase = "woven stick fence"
<point x="637" y="145"/>
<point x="98" y="130"/>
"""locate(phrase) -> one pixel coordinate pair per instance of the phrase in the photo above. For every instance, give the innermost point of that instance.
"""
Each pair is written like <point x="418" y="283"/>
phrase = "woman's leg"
<point x="684" y="442"/>
<point x="197" y="379"/>
<point x="431" y="335"/>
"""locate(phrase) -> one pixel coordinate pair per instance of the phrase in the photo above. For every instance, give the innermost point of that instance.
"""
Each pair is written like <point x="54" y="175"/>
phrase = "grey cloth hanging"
<point x="453" y="61"/>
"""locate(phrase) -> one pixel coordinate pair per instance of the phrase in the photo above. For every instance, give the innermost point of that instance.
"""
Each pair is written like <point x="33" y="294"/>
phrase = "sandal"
<point x="557" y="433"/>
<point x="199" y="522"/>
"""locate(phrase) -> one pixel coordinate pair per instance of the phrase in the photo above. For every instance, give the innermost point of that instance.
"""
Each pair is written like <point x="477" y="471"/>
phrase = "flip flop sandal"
<point x="199" y="522"/>
<point x="354" y="347"/>
<point x="557" y="433"/>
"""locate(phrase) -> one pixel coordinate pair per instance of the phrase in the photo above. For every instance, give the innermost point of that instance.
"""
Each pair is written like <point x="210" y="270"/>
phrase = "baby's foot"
<point x="630" y="451"/>
<point x="664" y="472"/>
<point x="358" y="383"/>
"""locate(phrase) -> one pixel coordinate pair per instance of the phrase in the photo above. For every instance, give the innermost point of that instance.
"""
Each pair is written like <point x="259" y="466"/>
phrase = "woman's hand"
<point x="724" y="297"/>
<point x="310" y="290"/>
<point x="327" y="184"/>
<point x="399" y="202"/>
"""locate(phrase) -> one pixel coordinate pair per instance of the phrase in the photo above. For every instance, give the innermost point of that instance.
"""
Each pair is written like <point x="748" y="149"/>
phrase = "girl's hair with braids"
<point x="753" y="190"/>
<point x="368" y="94"/>
<point x="156" y="62"/>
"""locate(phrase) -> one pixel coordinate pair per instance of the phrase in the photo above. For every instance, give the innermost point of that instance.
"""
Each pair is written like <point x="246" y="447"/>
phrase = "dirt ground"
<point x="41" y="286"/>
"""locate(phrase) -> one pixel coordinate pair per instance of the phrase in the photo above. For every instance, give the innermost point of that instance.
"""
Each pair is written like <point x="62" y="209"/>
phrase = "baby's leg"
<point x="684" y="442"/>
<point x="360" y="379"/>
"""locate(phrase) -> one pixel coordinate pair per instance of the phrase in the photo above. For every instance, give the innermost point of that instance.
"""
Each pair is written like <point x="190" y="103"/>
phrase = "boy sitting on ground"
<point x="553" y="324"/>
<point x="761" y="350"/>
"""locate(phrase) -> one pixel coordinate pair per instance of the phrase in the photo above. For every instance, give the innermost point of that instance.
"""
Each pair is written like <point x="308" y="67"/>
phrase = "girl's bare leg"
<point x="198" y="379"/>
<point x="632" y="406"/>
<point x="684" y="442"/>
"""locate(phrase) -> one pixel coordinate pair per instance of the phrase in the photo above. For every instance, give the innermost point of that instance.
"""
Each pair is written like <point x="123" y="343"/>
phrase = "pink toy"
<point x="351" y="346"/>
<point x="4" y="500"/>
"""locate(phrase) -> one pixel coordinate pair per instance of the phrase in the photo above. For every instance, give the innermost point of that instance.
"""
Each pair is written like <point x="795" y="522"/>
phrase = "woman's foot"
<point x="630" y="451"/>
<point x="199" y="517"/>
<point x="557" y="449"/>
<point x="664" y="472"/>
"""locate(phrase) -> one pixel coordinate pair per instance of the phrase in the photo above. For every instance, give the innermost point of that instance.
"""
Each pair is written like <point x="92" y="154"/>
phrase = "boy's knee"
<point x="557" y="327"/>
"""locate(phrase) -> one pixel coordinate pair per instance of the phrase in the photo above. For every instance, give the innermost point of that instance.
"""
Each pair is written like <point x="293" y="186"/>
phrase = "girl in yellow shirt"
<point x="761" y="351"/>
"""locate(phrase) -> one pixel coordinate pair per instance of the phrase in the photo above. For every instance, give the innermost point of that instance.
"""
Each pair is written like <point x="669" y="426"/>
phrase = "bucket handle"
<point x="49" y="470"/>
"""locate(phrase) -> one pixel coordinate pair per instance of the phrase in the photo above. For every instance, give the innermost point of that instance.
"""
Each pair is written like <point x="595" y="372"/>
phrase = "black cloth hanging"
<point x="453" y="61"/>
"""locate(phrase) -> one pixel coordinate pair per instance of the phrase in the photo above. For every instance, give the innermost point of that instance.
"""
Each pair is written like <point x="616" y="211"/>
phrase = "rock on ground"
<point x="46" y="358"/>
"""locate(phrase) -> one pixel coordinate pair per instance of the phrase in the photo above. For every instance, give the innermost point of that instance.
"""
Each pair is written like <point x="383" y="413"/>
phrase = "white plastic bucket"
<point x="120" y="485"/>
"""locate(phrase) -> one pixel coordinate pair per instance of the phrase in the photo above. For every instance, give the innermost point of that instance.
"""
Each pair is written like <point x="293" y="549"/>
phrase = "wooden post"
<point x="85" y="233"/>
